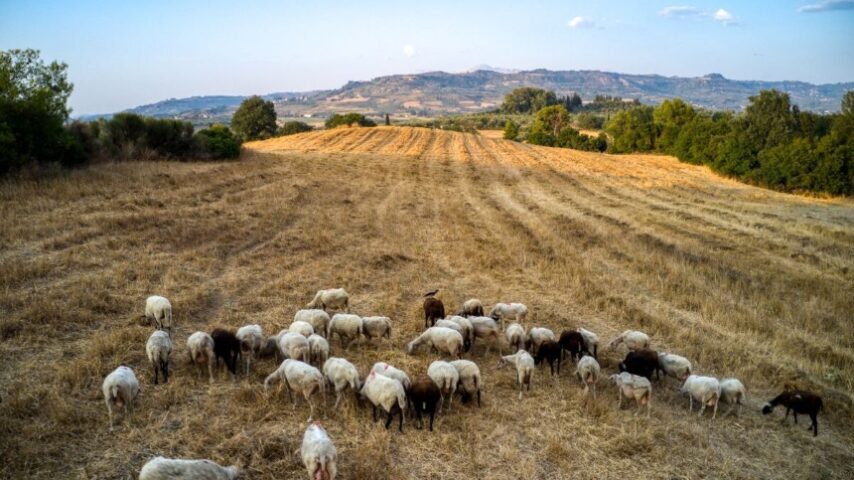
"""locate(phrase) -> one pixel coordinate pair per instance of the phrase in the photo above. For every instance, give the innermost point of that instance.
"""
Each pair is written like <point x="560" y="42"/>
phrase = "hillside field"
<point x="743" y="281"/>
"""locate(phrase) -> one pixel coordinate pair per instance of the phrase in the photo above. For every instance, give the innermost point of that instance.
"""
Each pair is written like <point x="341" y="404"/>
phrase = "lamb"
<point x="294" y="346"/>
<point x="524" y="363"/>
<point x="633" y="339"/>
<point x="251" y="338"/>
<point x="798" y="401"/>
<point x="706" y="390"/>
<point x="467" y="330"/>
<point x="733" y="393"/>
<point x="317" y="318"/>
<point x="158" y="348"/>
<point x="487" y="327"/>
<point x="318" y="349"/>
<point x="386" y="370"/>
<point x="514" y="311"/>
<point x="633" y="386"/>
<point x="588" y="371"/>
<point x="472" y="308"/>
<point x="227" y="347"/>
<point x="434" y="310"/>
<point x="446" y="378"/>
<point x="318" y="454"/>
<point x="573" y="342"/>
<point x="120" y="389"/>
<point x="591" y="341"/>
<point x="674" y="365"/>
<point x="641" y="362"/>
<point x="160" y="468"/>
<point x="516" y="336"/>
<point x="470" y="379"/>
<point x="388" y="394"/>
<point x="348" y="327"/>
<point x="200" y="347"/>
<point x="300" y="377"/>
<point x="331" y="299"/>
<point x="303" y="328"/>
<point x="424" y="395"/>
<point x="440" y="339"/>
<point x="341" y="374"/>
<point x="551" y="352"/>
<point x="158" y="311"/>
<point x="376" y="327"/>
<point x="536" y="337"/>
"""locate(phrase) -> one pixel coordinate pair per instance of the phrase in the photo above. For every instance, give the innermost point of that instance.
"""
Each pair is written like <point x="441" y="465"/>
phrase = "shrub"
<point x="217" y="141"/>
<point x="255" y="119"/>
<point x="349" y="119"/>
<point x="293" y="127"/>
<point x="511" y="130"/>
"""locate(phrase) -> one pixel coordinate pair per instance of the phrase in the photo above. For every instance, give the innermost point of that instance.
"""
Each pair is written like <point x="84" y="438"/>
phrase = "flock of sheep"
<point x="304" y="346"/>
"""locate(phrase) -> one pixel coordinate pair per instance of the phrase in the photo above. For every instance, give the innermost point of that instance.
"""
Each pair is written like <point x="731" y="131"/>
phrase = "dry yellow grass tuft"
<point x="743" y="281"/>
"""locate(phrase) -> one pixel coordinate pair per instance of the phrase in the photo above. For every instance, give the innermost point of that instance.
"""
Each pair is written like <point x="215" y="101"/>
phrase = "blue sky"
<point x="122" y="54"/>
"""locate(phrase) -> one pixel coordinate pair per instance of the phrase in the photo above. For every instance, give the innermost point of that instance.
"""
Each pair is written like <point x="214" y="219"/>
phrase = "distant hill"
<point x="439" y="93"/>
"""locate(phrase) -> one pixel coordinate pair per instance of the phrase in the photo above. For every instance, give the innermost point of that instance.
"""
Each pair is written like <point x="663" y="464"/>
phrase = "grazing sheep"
<point x="348" y="327"/>
<point x="674" y="365"/>
<point x="424" y="395"/>
<point x="733" y="393"/>
<point x="270" y="347"/>
<point x="434" y="310"/>
<point x="303" y="328"/>
<point x="573" y="342"/>
<point x="706" y="390"/>
<point x="588" y="371"/>
<point x="551" y="352"/>
<point x="487" y="327"/>
<point x="516" y="336"/>
<point x="158" y="311"/>
<point x="470" y="379"/>
<point x="294" y="346"/>
<point x="797" y="401"/>
<point x="472" y="308"/>
<point x="441" y="339"/>
<point x="317" y="318"/>
<point x="633" y="339"/>
<point x="226" y="347"/>
<point x="512" y="311"/>
<point x="446" y="378"/>
<point x="301" y="378"/>
<point x="251" y="338"/>
<point x="641" y="362"/>
<point x="159" y="468"/>
<point x="376" y="327"/>
<point x="158" y="348"/>
<point x="536" y="337"/>
<point x="453" y="326"/>
<point x="331" y="299"/>
<point x="200" y="347"/>
<point x="341" y="374"/>
<point x="467" y="330"/>
<point x="120" y="389"/>
<point x="591" y="341"/>
<point x="318" y="349"/>
<point x="524" y="363"/>
<point x="633" y="386"/>
<point x="318" y="453"/>
<point x="386" y="370"/>
<point x="386" y="393"/>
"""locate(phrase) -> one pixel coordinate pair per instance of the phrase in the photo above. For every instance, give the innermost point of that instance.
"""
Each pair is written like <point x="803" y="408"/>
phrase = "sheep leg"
<point x="620" y="403"/>
<point x="166" y="372"/>
<point x="432" y="413"/>
<point x="388" y="420"/>
<point x="419" y="425"/>
<point x="441" y="402"/>
<point x="210" y="369"/>
<point x="375" y="413"/>
<point x="785" y="417"/>
<point x="310" y="406"/>
<point x="594" y="391"/>
<point x="337" y="400"/>
<point x="400" y="422"/>
<point x="154" y="367"/>
<point x="451" y="399"/>
<point x="702" y="409"/>
<point x="796" y="417"/>
<point x="715" y="410"/>
<point x="478" y="398"/>
<point x="110" y="414"/>
<point x="814" y="418"/>
<point x="690" y="403"/>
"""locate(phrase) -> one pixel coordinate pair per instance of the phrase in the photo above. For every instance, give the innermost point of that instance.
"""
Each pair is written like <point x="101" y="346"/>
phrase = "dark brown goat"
<point x="227" y="347"/>
<point x="424" y="396"/>
<point x="551" y="352"/>
<point x="434" y="310"/>
<point x="798" y="401"/>
<point x="572" y="342"/>
<point x="642" y="363"/>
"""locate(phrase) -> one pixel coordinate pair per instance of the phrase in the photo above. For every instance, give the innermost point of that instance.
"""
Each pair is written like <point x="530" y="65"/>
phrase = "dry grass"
<point x="744" y="281"/>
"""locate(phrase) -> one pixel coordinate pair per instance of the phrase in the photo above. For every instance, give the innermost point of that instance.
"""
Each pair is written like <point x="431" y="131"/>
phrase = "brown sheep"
<point x="434" y="310"/>
<point x="424" y="396"/>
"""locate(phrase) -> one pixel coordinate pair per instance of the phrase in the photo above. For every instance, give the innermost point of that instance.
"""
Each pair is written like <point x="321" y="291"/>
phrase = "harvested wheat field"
<point x="743" y="281"/>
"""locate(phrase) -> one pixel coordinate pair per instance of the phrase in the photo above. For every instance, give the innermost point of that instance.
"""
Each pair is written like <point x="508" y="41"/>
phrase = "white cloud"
<point x="679" y="11"/>
<point x="580" y="22"/>
<point x="409" y="50"/>
<point x="722" y="16"/>
<point x="686" y="11"/>
<point x="828" y="6"/>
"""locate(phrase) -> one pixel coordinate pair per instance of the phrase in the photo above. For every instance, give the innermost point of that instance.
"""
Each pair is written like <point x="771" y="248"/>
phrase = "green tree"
<point x="217" y="142"/>
<point x="293" y="127"/>
<point x="589" y="121"/>
<point x="387" y="120"/>
<point x="528" y="100"/>
<point x="670" y="117"/>
<point x="768" y="120"/>
<point x="511" y="130"/>
<point x="848" y="103"/>
<point x="633" y="130"/>
<point x="551" y="120"/>
<point x="255" y="119"/>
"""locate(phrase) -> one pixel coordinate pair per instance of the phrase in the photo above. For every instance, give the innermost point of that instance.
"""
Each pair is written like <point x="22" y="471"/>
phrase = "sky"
<point x="123" y="54"/>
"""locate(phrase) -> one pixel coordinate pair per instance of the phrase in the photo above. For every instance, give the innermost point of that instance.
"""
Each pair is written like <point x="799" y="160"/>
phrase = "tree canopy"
<point x="255" y="119"/>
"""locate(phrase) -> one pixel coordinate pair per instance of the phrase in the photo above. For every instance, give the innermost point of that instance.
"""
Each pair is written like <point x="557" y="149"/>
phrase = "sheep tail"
<point x="114" y="392"/>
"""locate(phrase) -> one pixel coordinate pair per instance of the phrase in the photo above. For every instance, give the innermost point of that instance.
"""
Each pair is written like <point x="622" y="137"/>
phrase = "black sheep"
<point x="227" y="347"/>
<point x="551" y="352"/>
<point x="798" y="401"/>
<point x="642" y="363"/>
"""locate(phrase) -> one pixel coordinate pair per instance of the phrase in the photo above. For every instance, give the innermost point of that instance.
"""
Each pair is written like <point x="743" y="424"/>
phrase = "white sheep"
<point x="387" y="370"/>
<point x="487" y="327"/>
<point x="317" y="318"/>
<point x="386" y="393"/>
<point x="633" y="386"/>
<point x="159" y="468"/>
<point x="472" y="307"/>
<point x="251" y="338"/>
<point x="158" y="311"/>
<point x="733" y="393"/>
<point x="524" y="363"/>
<point x="467" y="330"/>
<point x="376" y="327"/>
<point x="200" y="348"/>
<point x="348" y="327"/>
<point x="441" y="339"/>
<point x="318" y="349"/>
<point x="294" y="346"/>
<point x="537" y="336"/>
<point x="706" y="390"/>
<point x="633" y="339"/>
<point x="318" y="454"/>
<point x="331" y="299"/>
<point x="516" y="336"/>
<point x="446" y="377"/>
<point x="301" y="378"/>
<point x="158" y="348"/>
<point x="120" y="389"/>
<point x="470" y="378"/>
<point x="588" y="371"/>
<point x="452" y="325"/>
<point x="674" y="365"/>
<point x="591" y="341"/>
<point x="341" y="374"/>
<point x="303" y="328"/>
<point x="513" y="311"/>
